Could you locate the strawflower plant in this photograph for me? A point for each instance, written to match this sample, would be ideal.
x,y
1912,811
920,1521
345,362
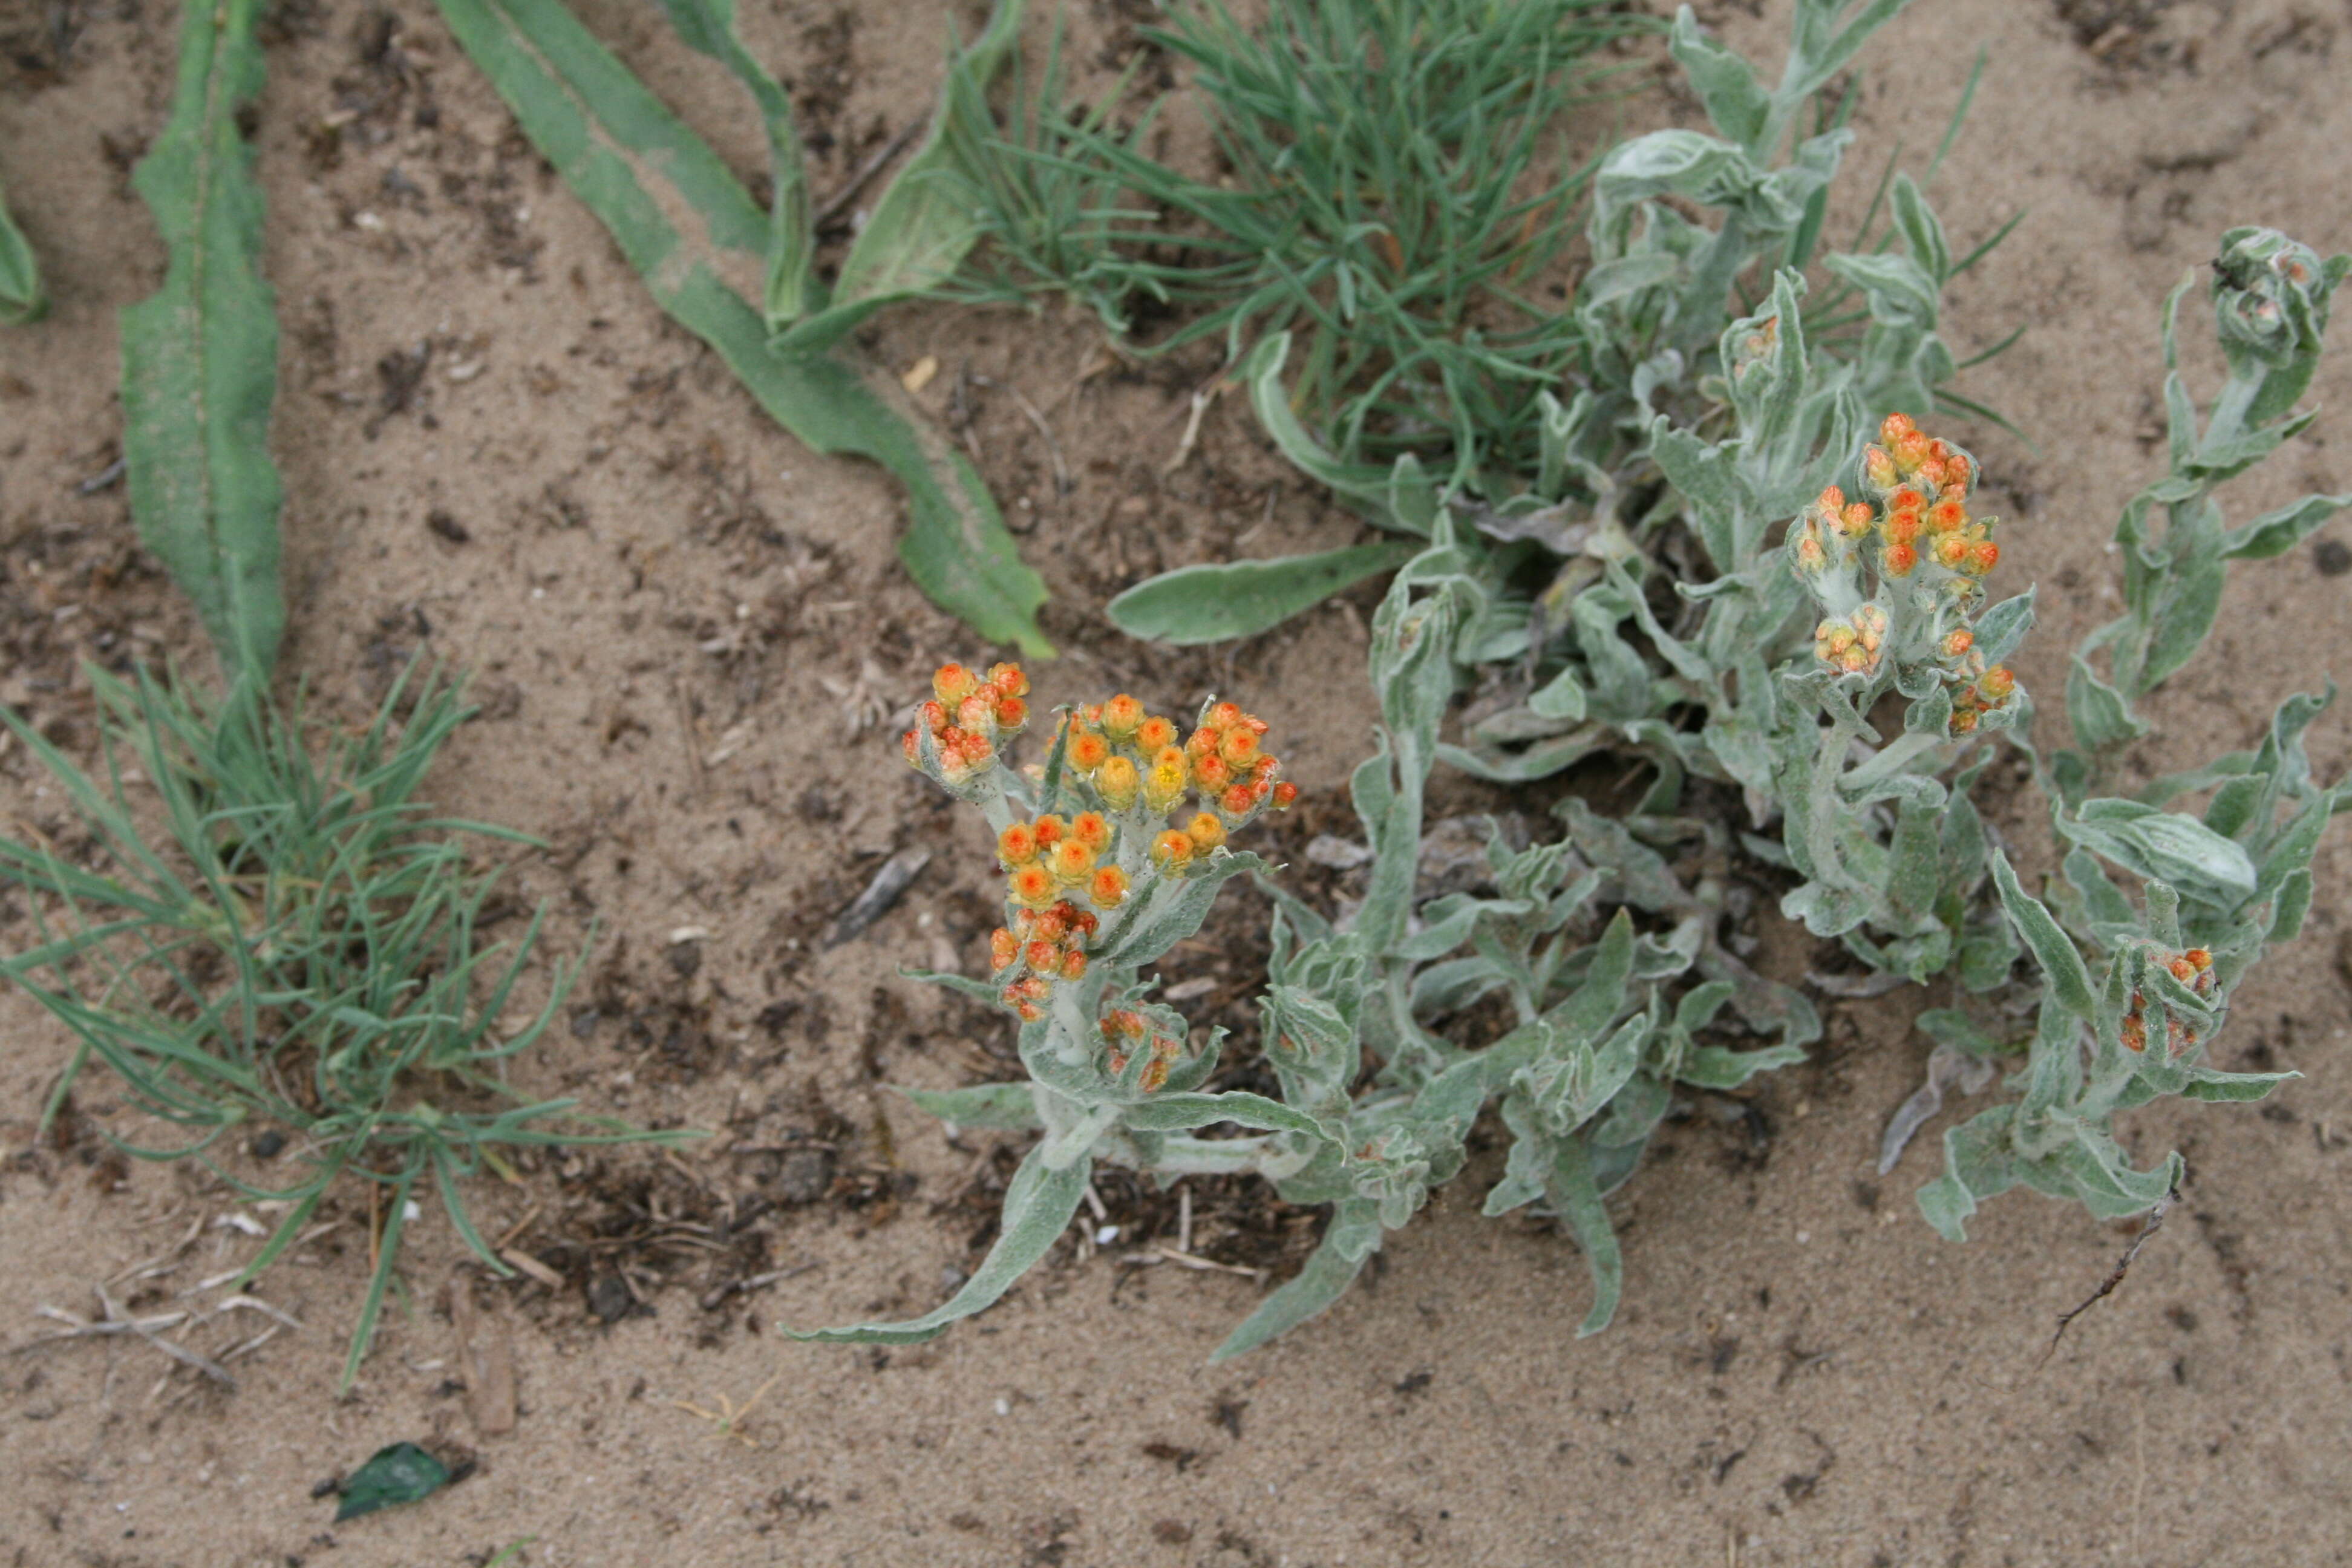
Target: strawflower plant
x,y
1866,606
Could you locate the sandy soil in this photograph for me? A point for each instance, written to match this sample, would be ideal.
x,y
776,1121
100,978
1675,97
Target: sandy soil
x,y
496,452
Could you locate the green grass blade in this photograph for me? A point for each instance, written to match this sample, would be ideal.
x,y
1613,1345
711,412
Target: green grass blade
x,y
200,355
395,1216
615,145
22,298
1242,598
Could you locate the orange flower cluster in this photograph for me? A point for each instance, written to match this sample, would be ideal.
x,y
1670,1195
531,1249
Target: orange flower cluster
x,y
1125,1033
1129,755
2193,969
1973,699
1922,487
1852,643
1050,943
1048,857
968,716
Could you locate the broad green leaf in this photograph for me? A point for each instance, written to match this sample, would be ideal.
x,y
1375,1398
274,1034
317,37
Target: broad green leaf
x,y
1010,1107
200,355
1726,83
625,156
1352,1236
22,298
1183,1112
2099,714
403,1473
2276,532
708,26
1577,1195
1712,1066
2179,849
1979,1163
2210,1084
2053,949
1038,1207
927,221
1242,598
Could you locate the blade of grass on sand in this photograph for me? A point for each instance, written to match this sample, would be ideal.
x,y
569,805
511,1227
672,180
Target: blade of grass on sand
x,y
708,26
630,160
928,220
200,355
21,296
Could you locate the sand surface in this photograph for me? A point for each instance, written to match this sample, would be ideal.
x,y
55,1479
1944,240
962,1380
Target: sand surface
x,y
496,452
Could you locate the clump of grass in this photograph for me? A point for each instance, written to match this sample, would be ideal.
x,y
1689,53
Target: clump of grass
x,y
1395,186
255,939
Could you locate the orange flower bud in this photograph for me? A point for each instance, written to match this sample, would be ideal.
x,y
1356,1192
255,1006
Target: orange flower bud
x,y
1225,715
1122,1022
1043,956
1011,713
2199,959
1983,556
1121,716
1902,527
2182,970
1087,751
912,745
1285,795
1879,468
1083,921
1894,428
1052,924
1963,722
952,683
1166,784
977,712
1002,949
1240,747
1050,830
1154,734
1211,772
1831,502
2134,1030
1155,1076
1017,845
1810,557
1072,861
1074,966
1241,800
934,716
1089,828
1947,517
1951,551
1900,561
1204,742
1905,499
1108,888
1205,832
1172,849
1118,782
1996,684
1030,885
1008,680
1958,643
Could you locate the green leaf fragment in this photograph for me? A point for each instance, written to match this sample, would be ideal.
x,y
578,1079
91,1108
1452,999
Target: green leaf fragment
x,y
200,355
403,1473
22,298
